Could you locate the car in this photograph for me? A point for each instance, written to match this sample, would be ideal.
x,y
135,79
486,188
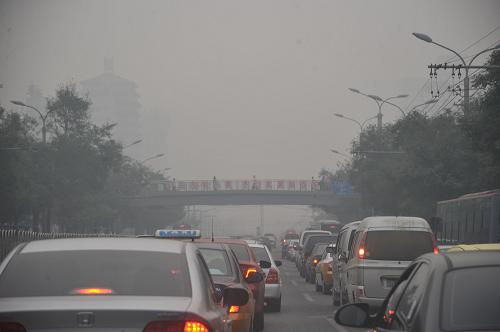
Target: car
x,y
455,291
289,235
118,284
225,271
323,275
339,262
307,250
313,259
272,239
383,247
292,249
248,265
273,281
303,237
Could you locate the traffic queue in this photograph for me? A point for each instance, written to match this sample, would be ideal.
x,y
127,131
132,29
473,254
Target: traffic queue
x,y
387,273
119,283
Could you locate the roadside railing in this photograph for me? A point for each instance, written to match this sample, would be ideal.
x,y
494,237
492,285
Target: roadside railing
x,y
9,238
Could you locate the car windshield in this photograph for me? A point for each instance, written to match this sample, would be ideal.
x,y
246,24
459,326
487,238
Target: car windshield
x,y
397,245
319,249
471,299
63,273
217,262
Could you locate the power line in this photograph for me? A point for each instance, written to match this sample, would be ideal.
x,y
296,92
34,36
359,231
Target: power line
x,y
454,58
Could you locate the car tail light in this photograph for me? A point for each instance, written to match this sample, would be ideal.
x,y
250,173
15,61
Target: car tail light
x,y
361,250
176,326
234,309
92,291
272,276
247,270
11,327
434,245
315,261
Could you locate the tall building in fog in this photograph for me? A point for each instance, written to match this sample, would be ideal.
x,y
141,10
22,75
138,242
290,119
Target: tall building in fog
x,y
115,100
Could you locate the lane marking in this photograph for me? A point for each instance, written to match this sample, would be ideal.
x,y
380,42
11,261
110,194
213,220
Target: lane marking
x,y
294,283
308,297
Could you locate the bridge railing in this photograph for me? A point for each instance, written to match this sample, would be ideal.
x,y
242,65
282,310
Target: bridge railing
x,y
227,185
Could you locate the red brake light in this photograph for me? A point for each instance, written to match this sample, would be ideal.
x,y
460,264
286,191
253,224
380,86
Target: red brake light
x,y
361,253
11,327
193,326
361,250
272,276
92,291
234,309
249,271
436,250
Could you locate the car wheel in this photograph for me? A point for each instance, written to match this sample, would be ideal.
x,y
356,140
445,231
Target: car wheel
x,y
318,286
274,305
258,321
336,297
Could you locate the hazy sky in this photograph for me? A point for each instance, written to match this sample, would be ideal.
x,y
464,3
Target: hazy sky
x,y
250,87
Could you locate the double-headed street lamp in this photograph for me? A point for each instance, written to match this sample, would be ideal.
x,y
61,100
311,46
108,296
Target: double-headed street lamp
x,y
381,102
42,116
360,124
159,155
428,39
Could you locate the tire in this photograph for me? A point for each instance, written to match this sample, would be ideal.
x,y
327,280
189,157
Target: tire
x,y
318,286
258,321
336,297
274,305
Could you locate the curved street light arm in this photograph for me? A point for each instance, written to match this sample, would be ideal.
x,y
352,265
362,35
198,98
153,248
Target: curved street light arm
x,y
454,52
364,122
487,50
399,108
355,121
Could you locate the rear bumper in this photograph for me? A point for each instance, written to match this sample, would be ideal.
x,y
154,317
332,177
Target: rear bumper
x,y
241,321
273,291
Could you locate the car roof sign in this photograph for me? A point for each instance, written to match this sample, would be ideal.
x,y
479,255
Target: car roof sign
x,y
178,233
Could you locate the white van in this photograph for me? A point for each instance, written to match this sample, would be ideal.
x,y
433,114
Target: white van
x,y
382,249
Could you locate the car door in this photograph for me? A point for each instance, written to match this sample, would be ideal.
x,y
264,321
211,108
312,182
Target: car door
x,y
336,264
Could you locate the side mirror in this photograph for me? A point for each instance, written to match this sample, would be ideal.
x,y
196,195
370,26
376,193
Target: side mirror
x,y
353,315
254,277
235,296
278,263
265,264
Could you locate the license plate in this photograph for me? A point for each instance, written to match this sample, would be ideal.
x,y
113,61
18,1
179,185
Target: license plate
x,y
388,283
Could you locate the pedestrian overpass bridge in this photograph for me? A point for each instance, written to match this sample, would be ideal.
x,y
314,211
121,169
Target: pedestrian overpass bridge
x,y
164,193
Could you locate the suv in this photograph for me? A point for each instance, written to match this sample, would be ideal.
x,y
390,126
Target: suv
x,y
339,263
382,249
303,237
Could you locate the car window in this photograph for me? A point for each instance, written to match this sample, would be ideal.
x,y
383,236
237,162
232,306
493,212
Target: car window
x,y
217,262
319,249
397,245
240,251
61,273
471,299
261,254
413,294
352,247
351,241
207,281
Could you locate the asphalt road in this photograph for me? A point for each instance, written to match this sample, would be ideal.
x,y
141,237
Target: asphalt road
x,y
302,309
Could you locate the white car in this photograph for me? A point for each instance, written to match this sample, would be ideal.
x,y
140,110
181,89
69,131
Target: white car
x,y
272,295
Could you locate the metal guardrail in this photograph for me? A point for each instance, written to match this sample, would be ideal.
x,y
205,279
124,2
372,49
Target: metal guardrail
x,y
9,238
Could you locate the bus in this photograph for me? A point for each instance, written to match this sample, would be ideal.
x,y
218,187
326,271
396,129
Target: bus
x,y
468,219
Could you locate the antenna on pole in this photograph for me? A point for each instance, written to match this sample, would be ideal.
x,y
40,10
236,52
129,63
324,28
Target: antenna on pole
x,y
213,229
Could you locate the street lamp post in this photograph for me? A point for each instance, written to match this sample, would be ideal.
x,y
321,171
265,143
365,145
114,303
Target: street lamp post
x,y
42,116
380,102
153,157
428,39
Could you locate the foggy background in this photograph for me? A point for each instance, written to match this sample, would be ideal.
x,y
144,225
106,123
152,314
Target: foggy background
x,y
236,89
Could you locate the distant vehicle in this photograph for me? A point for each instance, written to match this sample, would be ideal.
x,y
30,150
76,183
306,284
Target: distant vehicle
x,y
225,271
111,284
272,240
273,281
292,249
290,235
471,218
382,249
339,262
332,226
323,280
307,251
446,292
313,259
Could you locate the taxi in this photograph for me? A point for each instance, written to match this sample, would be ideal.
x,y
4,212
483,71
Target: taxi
x,y
132,284
324,276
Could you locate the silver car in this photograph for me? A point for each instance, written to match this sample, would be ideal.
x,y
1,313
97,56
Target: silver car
x,y
125,284
382,249
272,295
